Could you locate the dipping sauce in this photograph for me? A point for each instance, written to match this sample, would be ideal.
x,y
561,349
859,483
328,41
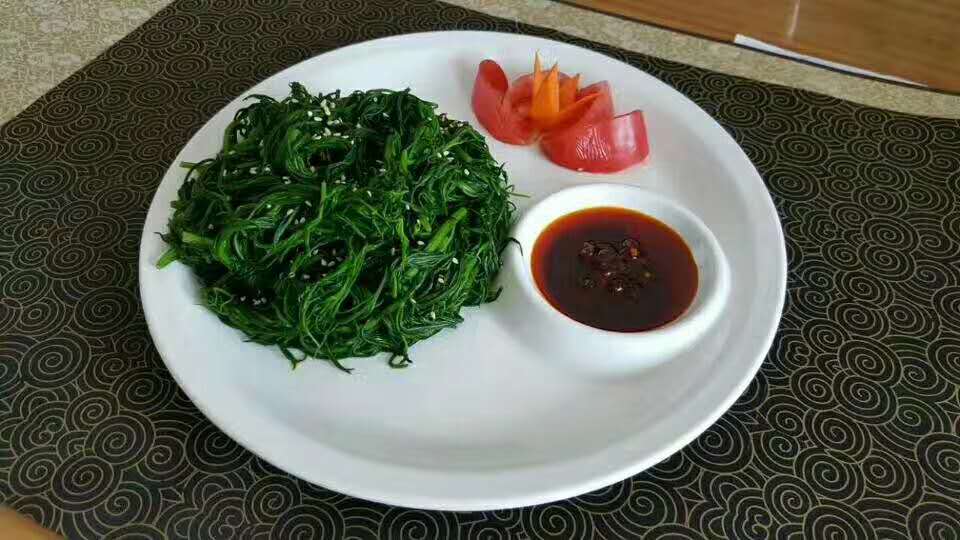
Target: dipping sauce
x,y
615,269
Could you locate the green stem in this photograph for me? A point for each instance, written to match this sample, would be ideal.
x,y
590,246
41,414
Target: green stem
x,y
195,239
442,238
167,258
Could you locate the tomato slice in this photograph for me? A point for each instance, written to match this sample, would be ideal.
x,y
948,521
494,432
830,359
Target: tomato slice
x,y
590,104
603,146
520,93
569,89
593,104
494,111
577,125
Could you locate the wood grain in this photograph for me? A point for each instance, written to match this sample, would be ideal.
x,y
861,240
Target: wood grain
x,y
14,526
917,40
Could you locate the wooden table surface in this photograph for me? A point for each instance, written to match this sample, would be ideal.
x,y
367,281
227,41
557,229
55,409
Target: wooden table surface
x,y
917,40
15,526
41,46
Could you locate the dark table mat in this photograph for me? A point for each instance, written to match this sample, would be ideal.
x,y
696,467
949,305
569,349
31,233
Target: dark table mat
x,y
850,429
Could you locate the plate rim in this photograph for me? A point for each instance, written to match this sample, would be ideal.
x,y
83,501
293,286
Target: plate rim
x,y
564,489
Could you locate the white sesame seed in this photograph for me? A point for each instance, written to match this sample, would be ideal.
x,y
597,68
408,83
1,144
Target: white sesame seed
x,y
440,280
323,262
284,177
413,300
407,205
269,206
439,154
382,170
393,250
456,260
306,276
385,115
253,170
308,203
290,274
369,194
466,172
313,168
419,242
314,252
266,169
343,177
210,226
286,182
310,114
326,131
290,211
446,152
243,298
433,315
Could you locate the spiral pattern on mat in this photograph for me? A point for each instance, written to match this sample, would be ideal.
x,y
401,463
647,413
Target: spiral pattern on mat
x,y
318,520
555,521
836,520
937,519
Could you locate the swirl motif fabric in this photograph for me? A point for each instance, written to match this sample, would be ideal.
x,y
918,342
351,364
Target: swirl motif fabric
x,y
851,429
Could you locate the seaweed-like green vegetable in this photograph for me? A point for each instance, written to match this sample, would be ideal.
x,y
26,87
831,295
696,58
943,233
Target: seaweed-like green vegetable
x,y
343,226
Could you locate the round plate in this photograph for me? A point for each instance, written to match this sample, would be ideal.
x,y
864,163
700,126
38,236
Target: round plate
x,y
486,418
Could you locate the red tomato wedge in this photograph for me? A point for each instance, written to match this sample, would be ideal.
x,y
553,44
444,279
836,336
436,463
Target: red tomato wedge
x,y
576,126
604,146
569,89
593,104
520,93
495,111
509,115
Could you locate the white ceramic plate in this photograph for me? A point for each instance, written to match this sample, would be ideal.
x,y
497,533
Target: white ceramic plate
x,y
486,419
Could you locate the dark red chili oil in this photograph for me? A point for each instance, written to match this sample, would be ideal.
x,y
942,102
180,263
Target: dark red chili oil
x,y
614,269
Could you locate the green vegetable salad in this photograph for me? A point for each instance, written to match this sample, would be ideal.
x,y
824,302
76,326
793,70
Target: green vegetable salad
x,y
343,226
